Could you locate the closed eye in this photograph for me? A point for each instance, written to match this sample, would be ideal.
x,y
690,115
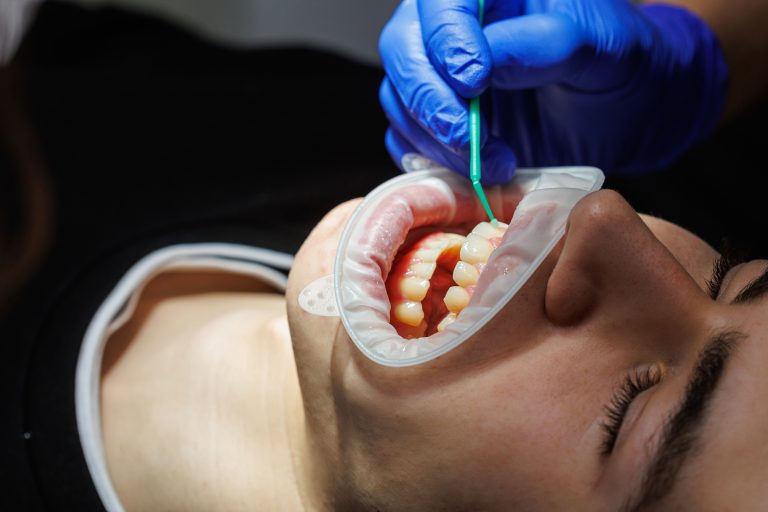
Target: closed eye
x,y
634,383
726,261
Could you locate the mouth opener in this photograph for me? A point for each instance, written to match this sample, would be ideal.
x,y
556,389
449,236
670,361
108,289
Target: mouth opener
x,y
543,199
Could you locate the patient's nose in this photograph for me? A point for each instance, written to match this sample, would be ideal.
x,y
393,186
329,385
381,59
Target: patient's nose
x,y
613,269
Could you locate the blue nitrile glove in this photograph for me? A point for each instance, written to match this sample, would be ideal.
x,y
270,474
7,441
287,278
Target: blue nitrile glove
x,y
597,82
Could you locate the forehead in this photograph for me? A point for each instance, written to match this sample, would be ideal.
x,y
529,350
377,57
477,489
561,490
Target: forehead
x,y
730,466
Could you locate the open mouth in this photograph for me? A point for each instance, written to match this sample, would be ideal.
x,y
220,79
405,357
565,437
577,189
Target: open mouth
x,y
418,272
417,257
433,279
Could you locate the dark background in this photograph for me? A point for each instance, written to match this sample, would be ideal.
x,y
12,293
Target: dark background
x,y
135,127
116,128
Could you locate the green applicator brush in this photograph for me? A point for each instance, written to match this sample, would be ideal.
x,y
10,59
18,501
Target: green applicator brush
x,y
474,141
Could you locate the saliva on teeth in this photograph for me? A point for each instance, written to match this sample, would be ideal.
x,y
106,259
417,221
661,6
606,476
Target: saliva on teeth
x,y
431,283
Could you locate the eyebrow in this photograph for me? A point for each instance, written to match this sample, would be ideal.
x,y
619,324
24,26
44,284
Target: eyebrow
x,y
756,289
682,430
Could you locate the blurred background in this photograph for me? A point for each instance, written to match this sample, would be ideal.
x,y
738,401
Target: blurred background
x,y
128,123
347,27
120,118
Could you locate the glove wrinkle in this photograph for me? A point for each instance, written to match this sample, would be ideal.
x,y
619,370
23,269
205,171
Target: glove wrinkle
x,y
455,45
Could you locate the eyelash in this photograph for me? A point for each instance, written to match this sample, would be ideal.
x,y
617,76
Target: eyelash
x,y
726,261
634,383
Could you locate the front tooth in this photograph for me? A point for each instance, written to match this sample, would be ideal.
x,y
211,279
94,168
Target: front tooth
x,y
488,230
465,274
423,270
409,313
414,288
476,249
443,241
449,318
427,255
456,299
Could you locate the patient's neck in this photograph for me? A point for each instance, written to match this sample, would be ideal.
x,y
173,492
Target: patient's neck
x,y
201,407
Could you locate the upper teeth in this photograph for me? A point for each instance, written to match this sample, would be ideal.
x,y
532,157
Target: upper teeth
x,y
445,322
424,270
456,299
411,284
465,274
409,312
476,249
414,284
489,231
414,288
428,255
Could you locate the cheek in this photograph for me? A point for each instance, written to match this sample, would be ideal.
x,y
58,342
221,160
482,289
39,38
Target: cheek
x,y
503,429
313,336
316,257
527,428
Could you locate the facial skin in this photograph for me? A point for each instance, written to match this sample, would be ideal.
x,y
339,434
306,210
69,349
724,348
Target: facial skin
x,y
513,418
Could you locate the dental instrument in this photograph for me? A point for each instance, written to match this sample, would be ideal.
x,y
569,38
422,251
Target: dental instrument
x,y
475,171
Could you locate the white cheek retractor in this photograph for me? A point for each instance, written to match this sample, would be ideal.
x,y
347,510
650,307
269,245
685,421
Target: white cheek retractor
x,y
536,204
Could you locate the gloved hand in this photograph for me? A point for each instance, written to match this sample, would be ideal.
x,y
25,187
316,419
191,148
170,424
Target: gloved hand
x,y
603,83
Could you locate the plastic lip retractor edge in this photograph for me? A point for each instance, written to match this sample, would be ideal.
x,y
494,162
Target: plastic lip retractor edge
x,y
536,204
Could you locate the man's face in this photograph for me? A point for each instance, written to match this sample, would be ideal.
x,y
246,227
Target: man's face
x,y
611,380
